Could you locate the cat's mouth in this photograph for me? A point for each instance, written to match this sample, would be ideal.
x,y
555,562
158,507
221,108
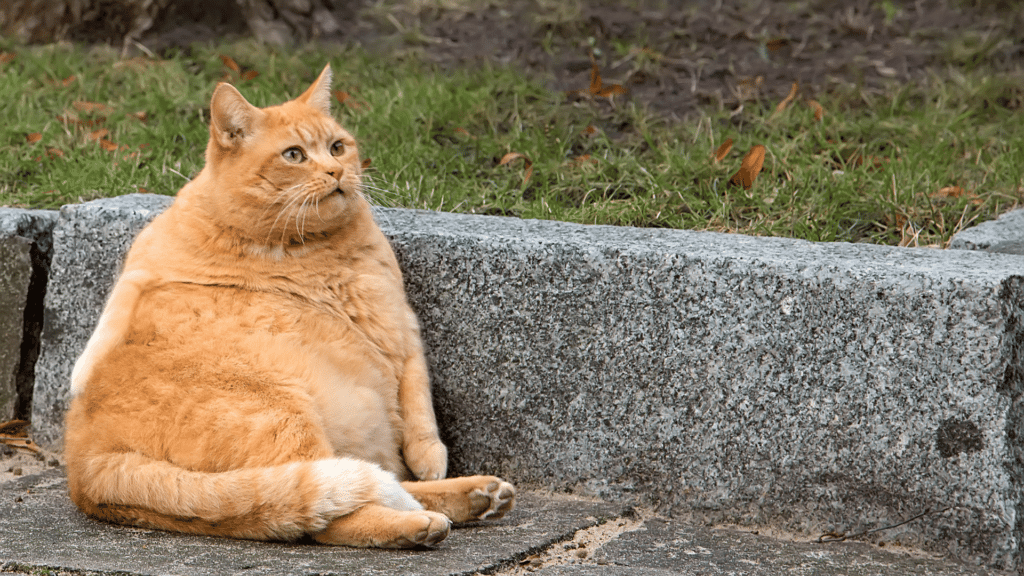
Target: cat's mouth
x,y
337,190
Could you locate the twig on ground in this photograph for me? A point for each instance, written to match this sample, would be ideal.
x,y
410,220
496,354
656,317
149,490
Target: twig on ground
x,y
832,537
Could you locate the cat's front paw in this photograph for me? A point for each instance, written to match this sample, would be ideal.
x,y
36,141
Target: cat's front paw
x,y
427,459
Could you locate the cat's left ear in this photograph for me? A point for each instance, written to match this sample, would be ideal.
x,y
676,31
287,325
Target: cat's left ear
x,y
319,94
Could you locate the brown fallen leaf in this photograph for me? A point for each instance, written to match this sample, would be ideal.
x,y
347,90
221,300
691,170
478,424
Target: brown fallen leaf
x,y
598,87
515,156
54,153
69,119
141,115
723,150
787,100
595,79
6,57
749,168
366,163
230,63
97,134
950,192
33,137
590,130
92,107
15,428
108,145
610,91
19,442
819,111
249,74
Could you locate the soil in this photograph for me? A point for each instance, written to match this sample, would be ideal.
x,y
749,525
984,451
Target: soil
x,y
677,57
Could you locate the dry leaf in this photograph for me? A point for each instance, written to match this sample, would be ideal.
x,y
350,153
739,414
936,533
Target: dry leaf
x,y
34,137
18,442
6,57
366,163
15,428
341,96
143,190
141,115
776,44
250,74
954,192
464,132
54,153
787,100
515,156
92,107
108,145
749,168
97,134
723,150
68,119
597,86
595,79
589,130
230,63
819,111
610,91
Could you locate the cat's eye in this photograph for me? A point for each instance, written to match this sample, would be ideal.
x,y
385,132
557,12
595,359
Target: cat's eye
x,y
293,155
338,148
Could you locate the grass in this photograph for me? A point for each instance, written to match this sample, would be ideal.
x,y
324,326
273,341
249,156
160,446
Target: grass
x,y
911,167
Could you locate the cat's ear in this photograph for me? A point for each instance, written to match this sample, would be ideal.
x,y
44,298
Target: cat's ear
x,y
232,118
319,94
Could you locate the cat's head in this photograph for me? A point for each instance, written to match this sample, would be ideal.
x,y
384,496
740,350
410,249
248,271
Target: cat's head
x,y
281,175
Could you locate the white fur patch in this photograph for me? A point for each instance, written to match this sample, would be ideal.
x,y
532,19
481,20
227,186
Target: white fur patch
x,y
391,493
345,485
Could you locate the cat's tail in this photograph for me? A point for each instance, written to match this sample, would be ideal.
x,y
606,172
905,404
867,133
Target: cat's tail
x,y
273,503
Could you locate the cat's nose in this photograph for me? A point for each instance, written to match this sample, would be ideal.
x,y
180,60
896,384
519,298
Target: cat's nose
x,y
335,172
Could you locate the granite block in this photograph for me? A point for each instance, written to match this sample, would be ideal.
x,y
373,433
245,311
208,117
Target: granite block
x,y
15,273
734,379
22,349
1004,234
758,381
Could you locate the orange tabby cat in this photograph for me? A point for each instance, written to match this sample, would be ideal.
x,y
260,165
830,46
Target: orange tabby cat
x,y
257,371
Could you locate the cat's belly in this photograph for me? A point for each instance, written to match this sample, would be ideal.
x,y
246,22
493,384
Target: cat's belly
x,y
215,334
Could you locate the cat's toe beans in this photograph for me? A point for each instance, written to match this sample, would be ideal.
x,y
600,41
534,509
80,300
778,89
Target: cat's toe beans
x,y
428,529
494,500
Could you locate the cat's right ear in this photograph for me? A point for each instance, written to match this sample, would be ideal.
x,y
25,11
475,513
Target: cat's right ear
x,y
232,118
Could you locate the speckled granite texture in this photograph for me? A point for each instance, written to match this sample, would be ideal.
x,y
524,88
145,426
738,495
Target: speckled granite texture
x,y
1004,234
754,380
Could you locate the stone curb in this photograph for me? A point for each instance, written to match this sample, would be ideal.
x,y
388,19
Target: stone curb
x,y
816,387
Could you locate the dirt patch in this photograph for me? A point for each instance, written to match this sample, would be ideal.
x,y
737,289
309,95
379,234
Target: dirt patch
x,y
677,57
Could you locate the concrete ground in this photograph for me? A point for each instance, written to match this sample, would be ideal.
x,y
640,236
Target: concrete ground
x,y
41,532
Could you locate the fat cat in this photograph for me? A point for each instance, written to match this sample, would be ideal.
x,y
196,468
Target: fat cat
x,y
257,371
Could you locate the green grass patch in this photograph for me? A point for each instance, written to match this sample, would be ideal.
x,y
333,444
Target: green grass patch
x,y
911,167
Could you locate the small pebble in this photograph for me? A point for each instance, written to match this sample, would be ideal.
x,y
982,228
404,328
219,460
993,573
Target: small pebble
x,y
581,553
16,471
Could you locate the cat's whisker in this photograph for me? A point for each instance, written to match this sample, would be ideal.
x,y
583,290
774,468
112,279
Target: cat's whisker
x,y
284,210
